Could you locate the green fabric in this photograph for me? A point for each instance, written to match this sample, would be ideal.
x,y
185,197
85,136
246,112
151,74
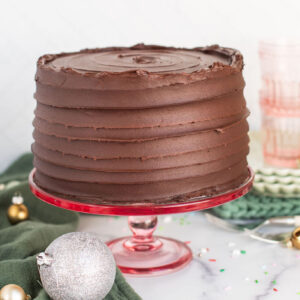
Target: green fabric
x,y
20,243
258,206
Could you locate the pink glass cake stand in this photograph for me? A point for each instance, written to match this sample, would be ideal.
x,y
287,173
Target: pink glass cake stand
x,y
144,254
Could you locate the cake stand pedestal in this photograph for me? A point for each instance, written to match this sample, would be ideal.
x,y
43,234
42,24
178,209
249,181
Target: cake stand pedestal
x,y
144,254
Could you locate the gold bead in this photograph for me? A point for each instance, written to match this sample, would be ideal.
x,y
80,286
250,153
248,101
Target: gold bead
x,y
295,238
13,292
17,212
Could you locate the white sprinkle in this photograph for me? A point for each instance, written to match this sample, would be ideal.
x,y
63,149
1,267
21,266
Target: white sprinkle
x,y
236,252
167,219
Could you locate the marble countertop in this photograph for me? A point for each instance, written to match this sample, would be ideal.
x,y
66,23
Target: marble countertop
x,y
263,272
244,269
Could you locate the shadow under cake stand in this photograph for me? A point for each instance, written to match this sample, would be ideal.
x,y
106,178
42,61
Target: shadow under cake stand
x,y
144,254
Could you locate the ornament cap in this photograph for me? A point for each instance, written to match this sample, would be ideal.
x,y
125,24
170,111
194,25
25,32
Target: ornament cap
x,y
17,199
44,259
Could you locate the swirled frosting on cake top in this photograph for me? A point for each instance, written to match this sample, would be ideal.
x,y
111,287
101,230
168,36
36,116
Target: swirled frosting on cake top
x,y
145,123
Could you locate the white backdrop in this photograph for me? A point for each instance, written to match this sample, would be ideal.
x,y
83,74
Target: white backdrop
x,y
31,28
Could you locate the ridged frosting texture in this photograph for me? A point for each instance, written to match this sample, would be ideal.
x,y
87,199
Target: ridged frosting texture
x,y
140,124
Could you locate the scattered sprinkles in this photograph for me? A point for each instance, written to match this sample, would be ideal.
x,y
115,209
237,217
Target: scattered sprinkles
x,y
266,273
274,281
212,260
256,281
243,251
222,270
275,290
187,242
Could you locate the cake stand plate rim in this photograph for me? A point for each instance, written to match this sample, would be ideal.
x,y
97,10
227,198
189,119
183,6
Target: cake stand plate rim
x,y
194,204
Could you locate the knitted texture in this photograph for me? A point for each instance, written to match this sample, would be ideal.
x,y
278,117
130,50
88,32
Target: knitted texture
x,y
257,206
276,192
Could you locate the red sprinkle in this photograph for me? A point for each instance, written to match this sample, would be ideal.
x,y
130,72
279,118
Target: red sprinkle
x,y
275,290
187,242
212,260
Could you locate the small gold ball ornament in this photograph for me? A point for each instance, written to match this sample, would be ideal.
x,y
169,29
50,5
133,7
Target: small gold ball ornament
x,y
13,292
17,212
295,238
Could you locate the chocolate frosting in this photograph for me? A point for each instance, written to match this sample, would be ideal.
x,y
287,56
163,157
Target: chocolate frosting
x,y
145,123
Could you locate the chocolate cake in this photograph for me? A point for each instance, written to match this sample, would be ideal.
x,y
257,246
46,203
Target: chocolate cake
x,y
140,124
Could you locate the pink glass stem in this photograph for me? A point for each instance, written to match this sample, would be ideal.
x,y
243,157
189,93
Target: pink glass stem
x,y
142,228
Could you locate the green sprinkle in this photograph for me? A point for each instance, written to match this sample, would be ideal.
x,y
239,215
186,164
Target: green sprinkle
x,y
274,281
160,228
243,251
298,293
222,270
256,281
266,273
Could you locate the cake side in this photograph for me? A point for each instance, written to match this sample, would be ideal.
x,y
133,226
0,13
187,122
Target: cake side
x,y
145,123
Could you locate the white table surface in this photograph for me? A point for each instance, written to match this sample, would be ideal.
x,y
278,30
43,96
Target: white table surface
x,y
264,272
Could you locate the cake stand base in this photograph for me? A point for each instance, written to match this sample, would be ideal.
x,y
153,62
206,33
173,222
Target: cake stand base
x,y
144,254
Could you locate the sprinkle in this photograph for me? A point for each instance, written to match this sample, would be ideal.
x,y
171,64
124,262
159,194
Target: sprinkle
x,y
243,251
231,244
222,270
263,267
212,260
187,242
266,273
275,290
161,228
274,281
298,293
167,219
236,252
256,281
228,288
204,250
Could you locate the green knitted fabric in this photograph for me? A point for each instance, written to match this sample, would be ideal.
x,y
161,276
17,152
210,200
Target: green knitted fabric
x,y
20,243
257,206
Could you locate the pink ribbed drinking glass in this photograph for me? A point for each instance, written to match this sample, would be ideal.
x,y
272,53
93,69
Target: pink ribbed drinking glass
x,y
280,102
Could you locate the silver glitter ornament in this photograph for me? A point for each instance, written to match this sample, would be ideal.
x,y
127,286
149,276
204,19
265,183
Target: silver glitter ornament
x,y
77,266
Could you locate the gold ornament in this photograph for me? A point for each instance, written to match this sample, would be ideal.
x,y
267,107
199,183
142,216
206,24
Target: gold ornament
x,y
17,212
295,238
13,292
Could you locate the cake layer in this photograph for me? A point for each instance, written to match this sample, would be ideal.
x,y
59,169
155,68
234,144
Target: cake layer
x,y
136,164
145,149
214,109
137,177
146,192
174,94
